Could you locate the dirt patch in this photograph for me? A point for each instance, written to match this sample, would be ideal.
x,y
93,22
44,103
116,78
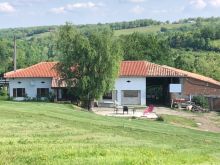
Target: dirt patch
x,y
208,122
205,121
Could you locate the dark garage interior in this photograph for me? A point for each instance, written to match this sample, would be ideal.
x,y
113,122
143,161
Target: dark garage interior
x,y
157,89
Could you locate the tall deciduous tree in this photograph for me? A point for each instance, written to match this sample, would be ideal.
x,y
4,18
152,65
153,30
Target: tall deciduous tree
x,y
89,61
4,55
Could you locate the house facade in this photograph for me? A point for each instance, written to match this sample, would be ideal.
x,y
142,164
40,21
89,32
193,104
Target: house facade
x,y
37,81
139,83
144,83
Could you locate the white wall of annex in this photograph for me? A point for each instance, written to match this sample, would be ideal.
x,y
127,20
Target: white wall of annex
x,y
30,85
131,83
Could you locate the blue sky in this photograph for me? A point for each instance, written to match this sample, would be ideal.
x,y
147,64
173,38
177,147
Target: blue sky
x,y
23,13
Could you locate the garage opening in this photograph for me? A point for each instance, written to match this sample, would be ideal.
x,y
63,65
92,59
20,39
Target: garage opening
x,y
157,89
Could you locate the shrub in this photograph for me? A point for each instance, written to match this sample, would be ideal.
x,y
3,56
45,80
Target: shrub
x,y
201,101
160,118
163,29
51,97
3,91
27,98
10,98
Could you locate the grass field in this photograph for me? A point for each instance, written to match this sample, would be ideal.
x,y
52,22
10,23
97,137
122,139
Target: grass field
x,y
147,29
182,121
47,133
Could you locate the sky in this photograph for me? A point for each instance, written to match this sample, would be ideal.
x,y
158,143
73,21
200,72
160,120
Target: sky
x,y
25,13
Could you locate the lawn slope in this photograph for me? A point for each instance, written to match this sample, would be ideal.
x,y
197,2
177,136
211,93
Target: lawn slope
x,y
148,29
46,133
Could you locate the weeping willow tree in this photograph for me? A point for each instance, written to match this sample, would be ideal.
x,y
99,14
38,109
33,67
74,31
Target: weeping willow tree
x,y
89,60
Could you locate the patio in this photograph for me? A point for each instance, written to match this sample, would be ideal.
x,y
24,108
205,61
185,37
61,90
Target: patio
x,y
132,112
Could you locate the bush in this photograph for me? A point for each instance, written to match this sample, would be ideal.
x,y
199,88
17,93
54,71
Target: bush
x,y
51,97
160,118
10,98
3,91
201,101
163,29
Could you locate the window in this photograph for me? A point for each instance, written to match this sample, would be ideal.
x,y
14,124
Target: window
x,y
130,93
18,92
107,95
42,92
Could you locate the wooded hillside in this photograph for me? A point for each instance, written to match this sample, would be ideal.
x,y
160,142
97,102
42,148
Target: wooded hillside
x,y
191,44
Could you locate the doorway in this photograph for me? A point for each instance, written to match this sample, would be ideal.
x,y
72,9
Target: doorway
x,y
157,89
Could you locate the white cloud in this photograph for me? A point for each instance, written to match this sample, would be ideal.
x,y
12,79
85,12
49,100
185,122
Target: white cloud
x,y
29,2
73,6
86,5
160,11
214,3
198,4
58,10
201,4
137,10
136,1
5,7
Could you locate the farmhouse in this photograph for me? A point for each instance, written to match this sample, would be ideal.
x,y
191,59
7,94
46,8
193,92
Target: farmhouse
x,y
139,83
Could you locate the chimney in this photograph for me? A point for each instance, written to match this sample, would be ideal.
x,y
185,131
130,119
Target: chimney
x,y
14,58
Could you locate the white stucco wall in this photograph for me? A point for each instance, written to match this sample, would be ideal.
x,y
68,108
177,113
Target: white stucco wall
x,y
30,85
136,83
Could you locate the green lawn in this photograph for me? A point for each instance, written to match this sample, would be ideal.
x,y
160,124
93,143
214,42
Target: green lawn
x,y
181,121
47,133
147,29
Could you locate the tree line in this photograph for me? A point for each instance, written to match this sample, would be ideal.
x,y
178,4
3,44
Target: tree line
x,y
189,47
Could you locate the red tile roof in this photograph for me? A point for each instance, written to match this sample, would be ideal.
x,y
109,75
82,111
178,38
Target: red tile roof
x,y
195,76
127,69
146,69
43,69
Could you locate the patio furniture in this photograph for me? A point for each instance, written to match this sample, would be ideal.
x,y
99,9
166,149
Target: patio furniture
x,y
117,106
125,109
149,109
148,112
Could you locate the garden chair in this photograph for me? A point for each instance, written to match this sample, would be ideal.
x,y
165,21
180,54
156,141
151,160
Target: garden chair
x,y
149,109
125,109
117,106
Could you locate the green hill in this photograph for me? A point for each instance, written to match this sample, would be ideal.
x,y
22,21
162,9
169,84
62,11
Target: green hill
x,y
48,133
148,29
190,44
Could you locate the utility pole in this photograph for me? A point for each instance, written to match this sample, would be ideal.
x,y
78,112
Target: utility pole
x,y
15,54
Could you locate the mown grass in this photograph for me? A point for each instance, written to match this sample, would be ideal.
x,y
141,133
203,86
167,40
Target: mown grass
x,y
181,121
147,29
3,97
47,133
